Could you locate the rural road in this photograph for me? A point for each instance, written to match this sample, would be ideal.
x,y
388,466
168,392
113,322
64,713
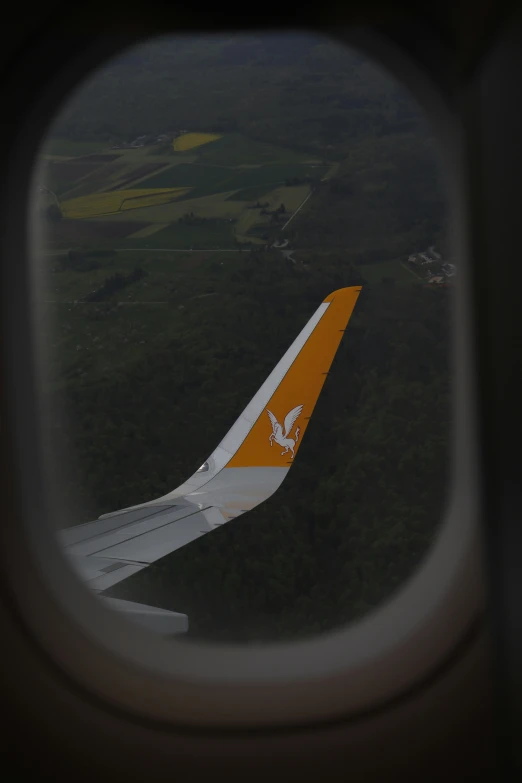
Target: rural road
x,y
301,205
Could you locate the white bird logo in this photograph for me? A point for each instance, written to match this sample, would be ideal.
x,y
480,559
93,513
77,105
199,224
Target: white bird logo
x,y
279,435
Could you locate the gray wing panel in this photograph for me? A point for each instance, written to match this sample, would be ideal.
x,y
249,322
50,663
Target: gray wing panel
x,y
146,546
108,539
74,535
109,550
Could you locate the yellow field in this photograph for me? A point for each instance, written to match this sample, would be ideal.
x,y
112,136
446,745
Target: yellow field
x,y
98,204
190,140
206,206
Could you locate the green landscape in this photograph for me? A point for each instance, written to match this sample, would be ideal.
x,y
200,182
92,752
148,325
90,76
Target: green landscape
x,y
175,279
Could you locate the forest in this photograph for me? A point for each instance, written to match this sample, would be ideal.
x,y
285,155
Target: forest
x,y
367,493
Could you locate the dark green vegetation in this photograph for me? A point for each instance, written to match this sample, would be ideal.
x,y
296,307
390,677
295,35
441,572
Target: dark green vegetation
x,y
69,147
153,388
152,377
235,150
70,233
386,198
114,284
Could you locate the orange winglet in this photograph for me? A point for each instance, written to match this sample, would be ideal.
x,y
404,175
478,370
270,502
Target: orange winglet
x,y
277,434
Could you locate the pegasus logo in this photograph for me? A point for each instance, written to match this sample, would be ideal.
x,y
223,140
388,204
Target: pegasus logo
x,y
280,435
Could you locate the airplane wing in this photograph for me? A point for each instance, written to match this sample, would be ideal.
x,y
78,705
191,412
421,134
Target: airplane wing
x,y
241,473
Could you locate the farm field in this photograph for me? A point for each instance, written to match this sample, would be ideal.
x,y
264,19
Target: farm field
x,y
215,206
140,173
213,179
118,201
61,174
152,228
66,185
248,194
201,191
191,140
97,172
236,151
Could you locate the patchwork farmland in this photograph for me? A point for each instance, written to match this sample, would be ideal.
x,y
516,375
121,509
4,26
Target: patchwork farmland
x,y
201,190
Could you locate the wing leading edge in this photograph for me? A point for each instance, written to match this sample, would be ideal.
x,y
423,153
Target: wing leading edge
x,y
246,468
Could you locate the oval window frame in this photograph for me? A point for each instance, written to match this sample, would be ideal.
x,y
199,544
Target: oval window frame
x,y
343,673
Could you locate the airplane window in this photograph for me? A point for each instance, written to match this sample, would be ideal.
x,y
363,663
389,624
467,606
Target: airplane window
x,y
245,255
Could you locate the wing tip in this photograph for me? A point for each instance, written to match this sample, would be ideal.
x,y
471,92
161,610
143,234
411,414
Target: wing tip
x,y
352,290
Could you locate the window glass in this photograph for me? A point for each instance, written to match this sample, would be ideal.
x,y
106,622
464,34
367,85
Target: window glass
x,y
197,199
